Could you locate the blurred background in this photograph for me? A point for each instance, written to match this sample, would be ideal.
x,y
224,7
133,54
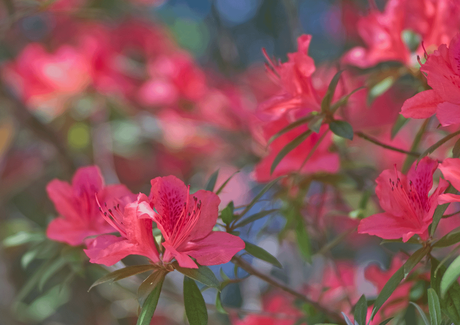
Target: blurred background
x,y
142,89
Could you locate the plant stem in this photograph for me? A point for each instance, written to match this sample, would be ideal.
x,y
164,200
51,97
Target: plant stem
x,y
375,141
251,270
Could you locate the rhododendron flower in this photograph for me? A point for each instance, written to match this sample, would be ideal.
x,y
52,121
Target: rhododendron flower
x,y
435,21
443,75
77,206
408,208
298,99
186,222
450,168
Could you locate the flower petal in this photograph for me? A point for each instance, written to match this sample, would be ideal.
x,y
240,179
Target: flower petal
x,y
109,249
448,113
71,232
61,193
209,213
422,105
182,258
448,198
217,248
421,176
450,168
87,179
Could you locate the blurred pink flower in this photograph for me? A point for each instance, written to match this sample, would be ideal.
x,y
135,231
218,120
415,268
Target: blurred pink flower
x,y
443,75
186,222
77,206
436,21
408,208
450,168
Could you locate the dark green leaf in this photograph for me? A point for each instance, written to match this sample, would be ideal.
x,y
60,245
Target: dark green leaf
x,y
438,144
227,215
451,238
439,212
421,312
149,306
299,122
202,274
262,254
149,284
254,217
326,102
123,273
212,181
400,122
386,321
288,148
397,277
450,303
219,306
456,149
258,196
342,129
434,307
360,312
195,307
226,182
303,239
450,276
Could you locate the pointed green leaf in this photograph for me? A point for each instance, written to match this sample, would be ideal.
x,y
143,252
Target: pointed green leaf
x,y
57,265
212,181
386,321
21,238
434,307
347,320
227,215
379,89
451,238
299,122
202,274
450,276
450,303
288,148
360,312
122,273
262,254
342,129
149,284
219,306
149,306
254,217
226,182
195,307
421,312
400,122
303,239
397,277
326,102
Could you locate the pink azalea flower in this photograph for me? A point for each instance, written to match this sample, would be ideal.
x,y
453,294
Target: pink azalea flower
x,y
433,20
450,168
186,222
443,75
408,208
77,206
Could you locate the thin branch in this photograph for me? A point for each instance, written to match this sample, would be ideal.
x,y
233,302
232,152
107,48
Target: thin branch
x,y
375,141
251,270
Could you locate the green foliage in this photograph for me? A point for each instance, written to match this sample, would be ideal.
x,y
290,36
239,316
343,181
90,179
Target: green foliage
x,y
326,102
123,273
195,307
450,302
399,124
421,312
342,129
434,307
254,217
149,306
262,254
449,239
227,215
450,276
202,274
212,181
289,147
360,312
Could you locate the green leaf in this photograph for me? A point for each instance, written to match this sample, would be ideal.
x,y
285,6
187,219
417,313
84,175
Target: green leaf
x,y
262,254
342,129
195,307
149,284
326,102
57,265
400,122
360,312
450,303
451,238
122,273
397,277
227,215
421,312
254,217
288,148
299,122
226,182
439,212
303,239
149,306
450,276
456,149
21,238
202,274
212,181
438,144
434,307
219,306
379,89
258,196
412,40
386,321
